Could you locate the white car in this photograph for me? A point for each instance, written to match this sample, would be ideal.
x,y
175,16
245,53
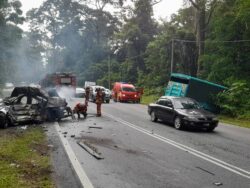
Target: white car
x,y
92,96
107,91
80,92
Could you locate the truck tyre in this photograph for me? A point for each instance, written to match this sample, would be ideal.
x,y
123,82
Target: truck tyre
x,y
177,123
153,117
3,121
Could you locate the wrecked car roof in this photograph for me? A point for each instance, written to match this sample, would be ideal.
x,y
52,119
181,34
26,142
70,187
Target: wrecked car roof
x,y
31,91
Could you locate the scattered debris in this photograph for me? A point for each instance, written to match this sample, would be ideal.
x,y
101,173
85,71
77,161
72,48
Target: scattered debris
x,y
113,135
50,146
64,136
204,170
218,183
90,149
72,136
94,127
24,127
89,132
65,132
14,165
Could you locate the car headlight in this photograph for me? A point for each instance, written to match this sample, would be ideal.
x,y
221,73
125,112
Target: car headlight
x,y
215,119
135,95
123,95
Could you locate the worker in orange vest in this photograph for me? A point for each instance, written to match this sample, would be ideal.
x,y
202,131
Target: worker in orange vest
x,y
98,101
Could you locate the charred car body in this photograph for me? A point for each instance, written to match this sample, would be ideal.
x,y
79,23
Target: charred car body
x,y
30,104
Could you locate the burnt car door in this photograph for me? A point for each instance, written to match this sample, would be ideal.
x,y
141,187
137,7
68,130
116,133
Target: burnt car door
x,y
24,109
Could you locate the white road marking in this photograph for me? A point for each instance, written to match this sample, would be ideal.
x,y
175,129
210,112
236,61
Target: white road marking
x,y
75,163
218,162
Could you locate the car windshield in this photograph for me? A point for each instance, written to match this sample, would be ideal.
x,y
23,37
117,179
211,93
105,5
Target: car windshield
x,y
129,89
185,104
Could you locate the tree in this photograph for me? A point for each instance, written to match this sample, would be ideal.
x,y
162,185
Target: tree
x,y
132,40
203,13
10,34
78,33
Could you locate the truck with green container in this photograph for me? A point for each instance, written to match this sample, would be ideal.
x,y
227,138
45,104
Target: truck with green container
x,y
203,91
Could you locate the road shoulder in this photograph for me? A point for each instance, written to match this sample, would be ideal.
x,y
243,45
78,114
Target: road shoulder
x,y
63,173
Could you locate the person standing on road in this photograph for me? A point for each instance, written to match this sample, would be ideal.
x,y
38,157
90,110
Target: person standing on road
x,y
98,101
87,91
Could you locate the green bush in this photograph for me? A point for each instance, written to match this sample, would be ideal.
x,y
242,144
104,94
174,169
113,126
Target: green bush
x,y
235,101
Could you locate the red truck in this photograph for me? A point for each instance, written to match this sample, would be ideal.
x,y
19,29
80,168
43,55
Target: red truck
x,y
124,92
62,81
58,80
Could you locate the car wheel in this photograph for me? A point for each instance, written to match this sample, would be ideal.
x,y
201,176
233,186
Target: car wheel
x,y
210,128
153,117
177,123
3,121
107,101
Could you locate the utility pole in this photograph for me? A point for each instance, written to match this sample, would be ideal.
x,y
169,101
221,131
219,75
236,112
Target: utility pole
x,y
172,57
109,72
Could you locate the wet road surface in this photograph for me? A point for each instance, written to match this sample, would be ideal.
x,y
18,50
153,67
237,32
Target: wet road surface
x,y
143,154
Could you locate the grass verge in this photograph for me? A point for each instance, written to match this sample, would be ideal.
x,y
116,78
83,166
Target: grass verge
x,y
234,121
24,158
146,99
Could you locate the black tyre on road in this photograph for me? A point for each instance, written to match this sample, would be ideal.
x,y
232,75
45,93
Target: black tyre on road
x,y
153,117
177,123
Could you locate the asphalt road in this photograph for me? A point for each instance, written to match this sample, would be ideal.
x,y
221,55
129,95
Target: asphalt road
x,y
141,154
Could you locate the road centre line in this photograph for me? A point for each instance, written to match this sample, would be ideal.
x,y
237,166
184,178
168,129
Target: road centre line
x,y
72,157
218,162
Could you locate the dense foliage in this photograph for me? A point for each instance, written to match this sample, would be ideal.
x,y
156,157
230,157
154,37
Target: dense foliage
x,y
206,38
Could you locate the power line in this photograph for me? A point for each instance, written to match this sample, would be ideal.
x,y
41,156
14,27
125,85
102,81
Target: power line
x,y
222,41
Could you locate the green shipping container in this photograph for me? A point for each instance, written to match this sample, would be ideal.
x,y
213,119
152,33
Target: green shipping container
x,y
201,90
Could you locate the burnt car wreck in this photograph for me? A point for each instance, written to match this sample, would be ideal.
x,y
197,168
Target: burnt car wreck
x,y
32,105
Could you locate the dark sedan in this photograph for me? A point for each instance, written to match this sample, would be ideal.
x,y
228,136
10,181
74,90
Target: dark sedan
x,y
182,112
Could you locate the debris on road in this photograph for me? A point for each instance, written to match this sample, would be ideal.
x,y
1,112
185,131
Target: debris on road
x,y
218,183
24,127
94,127
90,149
65,132
72,136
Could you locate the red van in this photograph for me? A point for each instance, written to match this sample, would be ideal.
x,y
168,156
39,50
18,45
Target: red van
x,y
124,92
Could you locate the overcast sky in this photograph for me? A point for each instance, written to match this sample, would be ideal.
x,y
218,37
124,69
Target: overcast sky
x,y
163,9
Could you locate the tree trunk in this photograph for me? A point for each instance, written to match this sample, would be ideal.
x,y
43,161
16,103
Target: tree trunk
x,y
200,34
